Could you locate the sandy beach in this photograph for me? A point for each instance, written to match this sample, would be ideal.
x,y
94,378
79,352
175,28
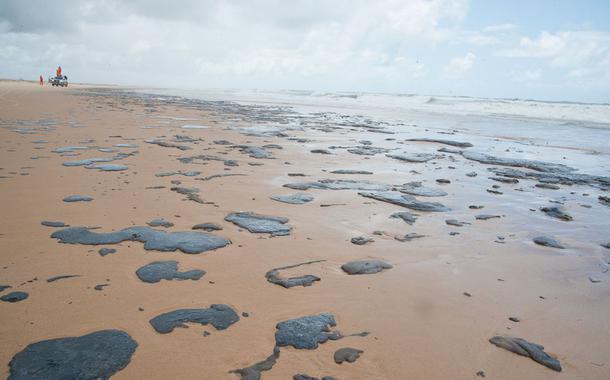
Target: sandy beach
x,y
462,258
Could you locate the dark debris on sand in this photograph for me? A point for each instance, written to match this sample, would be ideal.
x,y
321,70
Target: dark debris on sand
x,y
273,276
188,242
13,297
218,315
166,270
347,354
256,223
365,267
548,241
524,348
98,355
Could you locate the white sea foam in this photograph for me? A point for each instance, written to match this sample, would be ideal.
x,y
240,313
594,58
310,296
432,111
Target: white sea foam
x,y
398,105
192,126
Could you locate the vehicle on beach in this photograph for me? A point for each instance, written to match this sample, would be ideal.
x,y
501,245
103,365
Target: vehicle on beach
x,y
61,81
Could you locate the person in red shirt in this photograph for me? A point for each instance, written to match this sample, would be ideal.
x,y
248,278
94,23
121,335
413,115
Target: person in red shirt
x,y
58,71
41,81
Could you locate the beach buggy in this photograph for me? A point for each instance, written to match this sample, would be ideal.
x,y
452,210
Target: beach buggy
x,y
61,81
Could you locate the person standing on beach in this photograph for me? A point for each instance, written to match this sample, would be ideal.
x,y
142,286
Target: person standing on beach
x,y
58,73
41,81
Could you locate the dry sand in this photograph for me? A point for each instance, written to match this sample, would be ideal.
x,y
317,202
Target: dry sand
x,y
421,324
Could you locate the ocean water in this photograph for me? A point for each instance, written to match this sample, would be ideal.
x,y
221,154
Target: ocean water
x,y
393,104
554,131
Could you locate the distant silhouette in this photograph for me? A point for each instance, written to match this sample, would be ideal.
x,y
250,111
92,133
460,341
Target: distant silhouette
x,y
41,81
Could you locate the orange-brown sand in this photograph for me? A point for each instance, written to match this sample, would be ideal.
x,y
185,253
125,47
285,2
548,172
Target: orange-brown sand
x,y
421,324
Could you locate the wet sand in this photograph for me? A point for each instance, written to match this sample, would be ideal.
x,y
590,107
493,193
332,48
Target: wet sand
x,y
421,323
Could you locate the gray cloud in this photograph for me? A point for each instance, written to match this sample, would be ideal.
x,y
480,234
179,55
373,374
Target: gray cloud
x,y
58,15
386,45
35,16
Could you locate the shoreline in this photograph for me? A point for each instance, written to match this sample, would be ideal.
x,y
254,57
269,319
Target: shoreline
x,y
416,312
340,92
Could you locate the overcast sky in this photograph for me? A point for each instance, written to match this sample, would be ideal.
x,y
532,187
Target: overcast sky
x,y
542,49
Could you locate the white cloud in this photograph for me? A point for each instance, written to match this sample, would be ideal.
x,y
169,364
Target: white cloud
x,y
547,45
421,16
385,45
475,38
527,76
458,66
582,54
499,27
263,40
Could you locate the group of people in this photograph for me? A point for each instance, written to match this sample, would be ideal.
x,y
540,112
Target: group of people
x,y
57,74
